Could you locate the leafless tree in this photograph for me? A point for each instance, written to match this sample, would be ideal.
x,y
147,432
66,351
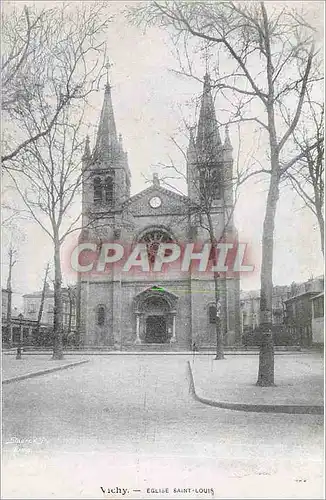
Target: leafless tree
x,y
12,254
45,167
50,58
41,308
213,188
271,61
72,297
307,175
47,177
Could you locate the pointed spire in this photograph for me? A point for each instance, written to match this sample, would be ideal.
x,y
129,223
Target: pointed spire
x,y
227,141
108,65
191,151
106,141
87,150
208,136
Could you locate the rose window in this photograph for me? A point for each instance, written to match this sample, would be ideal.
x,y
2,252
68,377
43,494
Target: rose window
x,y
153,239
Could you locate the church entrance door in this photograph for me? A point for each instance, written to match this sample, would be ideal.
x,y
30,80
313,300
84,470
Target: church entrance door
x,y
156,330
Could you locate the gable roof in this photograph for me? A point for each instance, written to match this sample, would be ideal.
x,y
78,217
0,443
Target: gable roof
x,y
155,189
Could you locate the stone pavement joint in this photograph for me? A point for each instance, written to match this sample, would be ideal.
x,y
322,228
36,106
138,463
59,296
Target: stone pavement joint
x,y
259,408
43,372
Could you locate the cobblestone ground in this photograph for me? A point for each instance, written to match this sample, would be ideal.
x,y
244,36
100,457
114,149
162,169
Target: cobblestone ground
x,y
130,422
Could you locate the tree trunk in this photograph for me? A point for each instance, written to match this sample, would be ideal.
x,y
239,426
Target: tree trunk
x,y
78,334
58,307
9,309
266,354
12,262
40,311
70,314
320,219
219,322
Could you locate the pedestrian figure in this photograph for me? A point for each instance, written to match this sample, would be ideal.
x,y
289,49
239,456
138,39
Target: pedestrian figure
x,y
194,349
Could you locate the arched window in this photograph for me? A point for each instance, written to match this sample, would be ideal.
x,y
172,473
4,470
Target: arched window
x,y
215,183
212,314
97,190
100,315
210,183
108,190
203,183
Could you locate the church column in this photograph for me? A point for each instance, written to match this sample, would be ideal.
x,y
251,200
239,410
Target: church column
x,y
173,338
138,341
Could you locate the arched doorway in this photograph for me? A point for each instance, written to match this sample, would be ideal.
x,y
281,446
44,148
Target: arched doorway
x,y
156,313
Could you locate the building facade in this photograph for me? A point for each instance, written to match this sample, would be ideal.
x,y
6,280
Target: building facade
x,y
297,314
172,307
4,303
32,303
250,307
317,322
15,328
299,310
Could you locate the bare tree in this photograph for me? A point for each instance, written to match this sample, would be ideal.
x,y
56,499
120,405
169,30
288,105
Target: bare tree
x,y
48,177
272,56
46,167
48,182
50,58
12,254
72,297
41,308
213,188
307,175
205,190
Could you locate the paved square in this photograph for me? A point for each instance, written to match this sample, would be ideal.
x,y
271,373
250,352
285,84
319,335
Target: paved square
x,y
130,422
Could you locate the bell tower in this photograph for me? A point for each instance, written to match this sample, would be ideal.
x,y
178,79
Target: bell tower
x,y
205,160
106,173
209,161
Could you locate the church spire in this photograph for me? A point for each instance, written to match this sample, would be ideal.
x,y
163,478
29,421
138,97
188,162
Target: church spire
x,y
106,141
191,151
208,136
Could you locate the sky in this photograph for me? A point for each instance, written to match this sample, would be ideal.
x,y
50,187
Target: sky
x,y
150,102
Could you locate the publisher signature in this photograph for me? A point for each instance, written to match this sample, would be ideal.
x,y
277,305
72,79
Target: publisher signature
x,y
25,441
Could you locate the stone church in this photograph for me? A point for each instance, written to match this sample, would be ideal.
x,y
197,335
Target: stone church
x,y
156,310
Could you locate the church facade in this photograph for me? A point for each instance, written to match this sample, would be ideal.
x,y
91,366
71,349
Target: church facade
x,y
171,308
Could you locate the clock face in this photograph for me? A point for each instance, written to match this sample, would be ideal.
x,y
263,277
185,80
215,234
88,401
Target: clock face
x,y
155,202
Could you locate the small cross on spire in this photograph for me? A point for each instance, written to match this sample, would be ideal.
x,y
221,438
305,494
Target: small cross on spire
x,y
108,65
156,180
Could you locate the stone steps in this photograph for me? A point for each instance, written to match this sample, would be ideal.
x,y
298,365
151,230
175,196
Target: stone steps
x,y
154,348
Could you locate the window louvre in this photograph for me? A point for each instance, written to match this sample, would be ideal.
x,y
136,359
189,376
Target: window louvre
x,y
97,190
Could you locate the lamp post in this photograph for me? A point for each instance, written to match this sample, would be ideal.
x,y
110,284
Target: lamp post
x,y
219,340
21,333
